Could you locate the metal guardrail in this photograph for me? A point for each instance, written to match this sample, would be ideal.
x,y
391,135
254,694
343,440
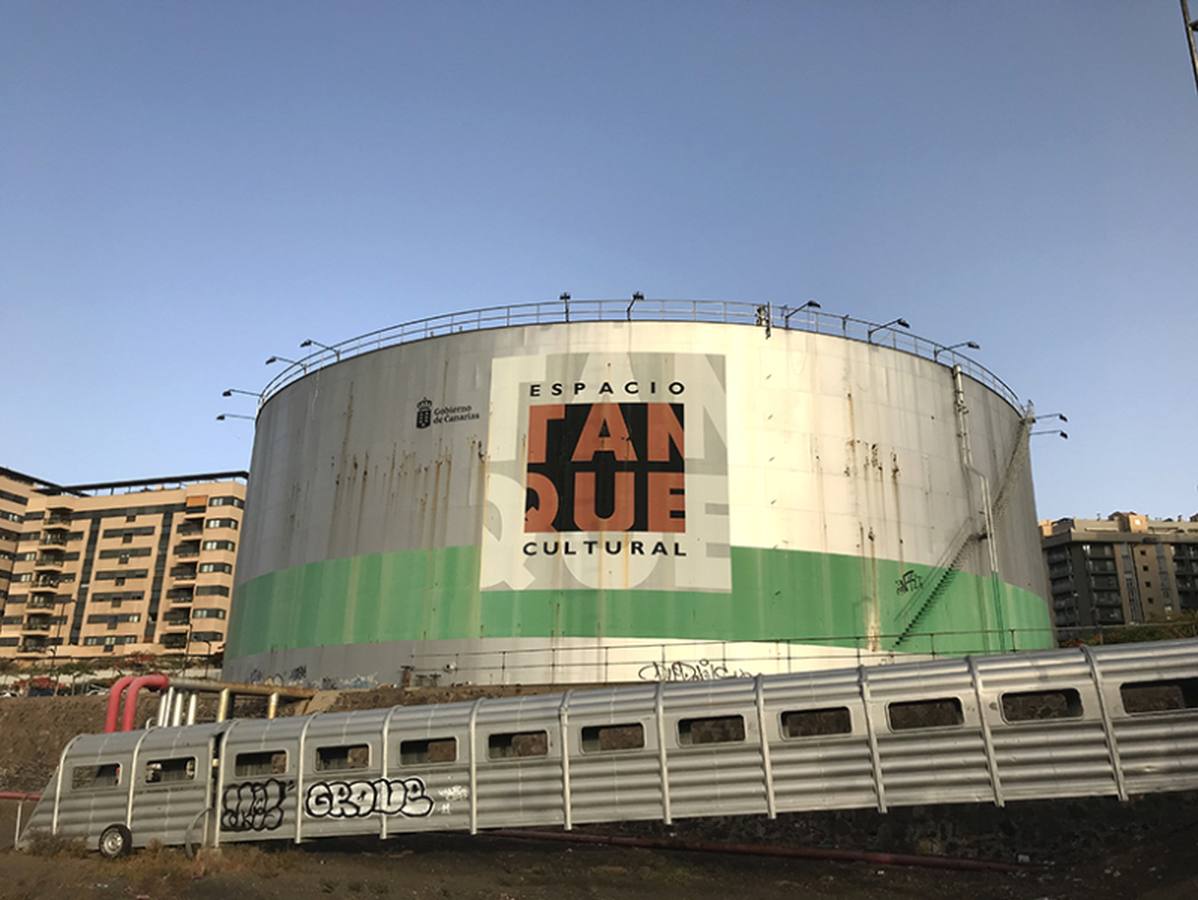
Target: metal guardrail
x,y
712,660
738,312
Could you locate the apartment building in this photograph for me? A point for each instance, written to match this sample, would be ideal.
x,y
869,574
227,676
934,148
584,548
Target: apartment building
x,y
119,568
15,490
1124,569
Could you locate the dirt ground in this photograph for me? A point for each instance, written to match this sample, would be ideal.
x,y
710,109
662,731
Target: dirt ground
x,y
488,868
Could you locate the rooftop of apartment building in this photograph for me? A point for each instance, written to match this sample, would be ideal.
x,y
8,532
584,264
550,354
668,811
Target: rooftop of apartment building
x,y
101,488
1126,527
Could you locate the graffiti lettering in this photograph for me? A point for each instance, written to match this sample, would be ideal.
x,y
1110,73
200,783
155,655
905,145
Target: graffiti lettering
x,y
909,582
253,805
702,670
353,799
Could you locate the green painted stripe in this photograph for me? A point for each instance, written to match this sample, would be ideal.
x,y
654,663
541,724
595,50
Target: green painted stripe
x,y
777,595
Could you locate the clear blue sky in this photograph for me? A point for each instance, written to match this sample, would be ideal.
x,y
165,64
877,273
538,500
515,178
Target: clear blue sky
x,y
186,188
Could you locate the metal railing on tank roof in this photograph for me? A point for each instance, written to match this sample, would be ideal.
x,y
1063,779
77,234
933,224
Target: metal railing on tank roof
x,y
552,312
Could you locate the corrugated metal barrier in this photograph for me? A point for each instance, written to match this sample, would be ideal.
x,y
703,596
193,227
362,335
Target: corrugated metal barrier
x,y
1114,720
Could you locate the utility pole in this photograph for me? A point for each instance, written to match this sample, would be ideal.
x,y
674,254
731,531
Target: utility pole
x,y
1191,37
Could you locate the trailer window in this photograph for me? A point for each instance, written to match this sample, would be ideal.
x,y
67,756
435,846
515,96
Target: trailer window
x,y
348,756
515,744
1159,696
940,713
262,762
602,738
712,730
163,771
86,777
1031,706
428,751
800,723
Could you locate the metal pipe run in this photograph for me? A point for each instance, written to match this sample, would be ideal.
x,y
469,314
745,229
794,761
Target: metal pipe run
x,y
165,698
829,853
114,702
158,681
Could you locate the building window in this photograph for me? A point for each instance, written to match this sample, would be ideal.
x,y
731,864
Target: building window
x,y
603,738
162,771
265,762
350,756
90,777
1159,696
915,714
428,750
711,730
816,722
1027,706
518,744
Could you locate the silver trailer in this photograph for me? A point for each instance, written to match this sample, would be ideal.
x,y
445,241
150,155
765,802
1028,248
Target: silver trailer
x,y
1115,720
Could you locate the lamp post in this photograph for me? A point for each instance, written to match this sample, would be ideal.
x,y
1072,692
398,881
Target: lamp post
x,y
787,312
1064,436
564,296
901,323
1061,416
207,653
224,416
294,362
972,345
1191,38
229,392
636,296
308,342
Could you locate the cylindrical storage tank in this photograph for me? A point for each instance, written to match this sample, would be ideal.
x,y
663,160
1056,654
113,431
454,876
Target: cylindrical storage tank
x,y
489,499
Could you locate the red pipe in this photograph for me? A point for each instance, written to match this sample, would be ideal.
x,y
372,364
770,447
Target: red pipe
x,y
114,702
18,795
157,680
878,858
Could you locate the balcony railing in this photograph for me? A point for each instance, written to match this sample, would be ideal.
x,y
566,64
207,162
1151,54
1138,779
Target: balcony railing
x,y
35,625
190,529
767,316
187,550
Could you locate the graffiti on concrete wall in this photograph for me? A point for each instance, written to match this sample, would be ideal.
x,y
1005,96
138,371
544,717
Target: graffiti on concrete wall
x,y
254,805
681,670
353,799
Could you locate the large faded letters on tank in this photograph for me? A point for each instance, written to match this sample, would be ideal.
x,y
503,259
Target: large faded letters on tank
x,y
607,471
